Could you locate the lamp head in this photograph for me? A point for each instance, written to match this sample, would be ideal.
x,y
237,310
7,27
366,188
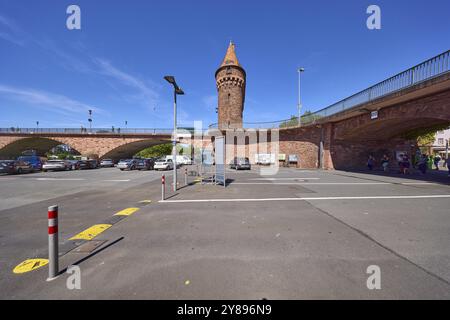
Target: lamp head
x,y
170,79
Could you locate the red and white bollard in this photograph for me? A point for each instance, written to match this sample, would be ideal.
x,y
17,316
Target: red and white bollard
x,y
163,187
53,259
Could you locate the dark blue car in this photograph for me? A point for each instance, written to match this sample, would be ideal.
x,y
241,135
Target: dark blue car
x,y
35,161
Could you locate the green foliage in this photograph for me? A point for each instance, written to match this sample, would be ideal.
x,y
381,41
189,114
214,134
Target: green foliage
x,y
156,151
307,117
292,122
426,139
424,136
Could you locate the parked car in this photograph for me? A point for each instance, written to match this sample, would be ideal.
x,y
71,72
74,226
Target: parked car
x,y
94,164
55,165
88,164
74,164
181,160
105,163
163,164
240,163
145,164
15,167
127,164
35,161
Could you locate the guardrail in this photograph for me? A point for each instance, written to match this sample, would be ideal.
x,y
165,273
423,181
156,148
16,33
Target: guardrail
x,y
424,71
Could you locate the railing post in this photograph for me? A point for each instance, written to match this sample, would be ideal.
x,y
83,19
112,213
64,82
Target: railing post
x,y
185,177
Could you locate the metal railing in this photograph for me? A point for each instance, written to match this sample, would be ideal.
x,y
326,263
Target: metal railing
x,y
86,131
424,71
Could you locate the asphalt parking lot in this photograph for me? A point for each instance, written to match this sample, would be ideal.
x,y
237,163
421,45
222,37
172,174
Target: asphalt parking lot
x,y
299,234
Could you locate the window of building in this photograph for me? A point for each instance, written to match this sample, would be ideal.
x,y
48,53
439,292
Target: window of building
x,y
441,141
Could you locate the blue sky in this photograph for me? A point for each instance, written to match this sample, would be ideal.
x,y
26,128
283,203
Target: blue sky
x,y
115,64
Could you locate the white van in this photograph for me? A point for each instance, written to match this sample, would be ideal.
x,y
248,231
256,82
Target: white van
x,y
181,159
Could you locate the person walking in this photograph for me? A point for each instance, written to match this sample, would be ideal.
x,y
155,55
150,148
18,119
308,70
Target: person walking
x,y
370,162
448,165
436,161
406,164
430,162
385,163
423,164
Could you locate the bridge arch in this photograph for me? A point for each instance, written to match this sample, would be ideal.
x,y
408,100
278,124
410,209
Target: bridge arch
x,y
14,146
128,149
393,128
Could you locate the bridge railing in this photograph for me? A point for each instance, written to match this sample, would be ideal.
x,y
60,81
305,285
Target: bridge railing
x,y
87,131
424,71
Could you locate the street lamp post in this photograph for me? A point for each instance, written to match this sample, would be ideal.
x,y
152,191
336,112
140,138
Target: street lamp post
x,y
177,91
299,106
90,120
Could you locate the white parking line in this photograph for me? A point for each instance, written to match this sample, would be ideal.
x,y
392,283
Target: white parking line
x,y
274,179
124,180
313,183
335,183
434,196
60,179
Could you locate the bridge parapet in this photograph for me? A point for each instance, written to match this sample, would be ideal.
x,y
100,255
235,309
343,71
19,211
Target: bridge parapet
x,y
424,73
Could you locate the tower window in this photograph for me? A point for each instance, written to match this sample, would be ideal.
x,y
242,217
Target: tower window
x,y
228,70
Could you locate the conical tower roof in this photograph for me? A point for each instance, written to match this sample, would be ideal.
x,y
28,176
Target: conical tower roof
x,y
230,57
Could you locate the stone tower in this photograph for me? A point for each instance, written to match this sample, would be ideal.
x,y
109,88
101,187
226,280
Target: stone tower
x,y
230,82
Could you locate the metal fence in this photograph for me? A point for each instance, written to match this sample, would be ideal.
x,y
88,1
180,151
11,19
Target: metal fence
x,y
424,71
86,131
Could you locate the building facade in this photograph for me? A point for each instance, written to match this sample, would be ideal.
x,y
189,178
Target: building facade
x,y
441,143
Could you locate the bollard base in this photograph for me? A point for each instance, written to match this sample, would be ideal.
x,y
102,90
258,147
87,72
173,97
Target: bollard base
x,y
51,279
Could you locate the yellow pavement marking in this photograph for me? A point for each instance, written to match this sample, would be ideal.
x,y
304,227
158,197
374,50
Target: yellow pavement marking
x,y
30,265
145,201
91,232
127,212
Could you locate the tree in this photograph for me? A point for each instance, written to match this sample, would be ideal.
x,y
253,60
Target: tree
x,y
159,150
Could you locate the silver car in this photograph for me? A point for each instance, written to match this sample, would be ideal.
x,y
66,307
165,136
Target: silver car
x,y
55,165
106,163
129,164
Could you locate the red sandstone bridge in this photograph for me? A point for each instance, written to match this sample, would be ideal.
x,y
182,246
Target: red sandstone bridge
x,y
381,119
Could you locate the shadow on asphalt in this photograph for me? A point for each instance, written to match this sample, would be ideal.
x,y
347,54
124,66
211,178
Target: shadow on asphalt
x,y
92,254
435,176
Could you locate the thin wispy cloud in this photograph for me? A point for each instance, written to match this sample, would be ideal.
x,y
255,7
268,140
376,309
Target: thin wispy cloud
x,y
47,100
145,92
11,32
